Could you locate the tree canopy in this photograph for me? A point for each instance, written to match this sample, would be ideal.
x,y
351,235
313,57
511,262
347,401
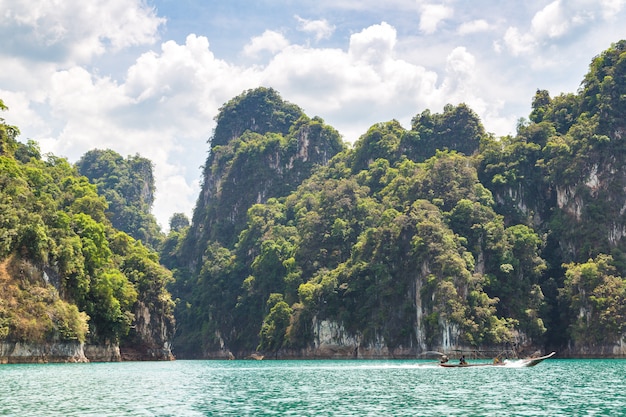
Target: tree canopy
x,y
127,184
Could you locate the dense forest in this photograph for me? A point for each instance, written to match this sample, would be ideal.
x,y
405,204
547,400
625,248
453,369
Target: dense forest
x,y
437,236
127,184
440,236
66,274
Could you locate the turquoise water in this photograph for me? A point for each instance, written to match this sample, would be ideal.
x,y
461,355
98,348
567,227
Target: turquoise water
x,y
313,388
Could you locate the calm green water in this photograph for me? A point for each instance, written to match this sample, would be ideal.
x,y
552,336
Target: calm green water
x,y
313,388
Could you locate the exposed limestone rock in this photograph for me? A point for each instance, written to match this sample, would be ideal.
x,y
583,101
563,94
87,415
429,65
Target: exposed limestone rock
x,y
331,340
331,333
154,335
222,353
593,181
17,352
616,350
450,337
419,333
568,201
616,233
103,353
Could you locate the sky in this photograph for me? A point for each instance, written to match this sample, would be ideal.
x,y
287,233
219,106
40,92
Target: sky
x,y
148,77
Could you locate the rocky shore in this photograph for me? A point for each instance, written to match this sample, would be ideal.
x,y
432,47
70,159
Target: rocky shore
x,y
18,352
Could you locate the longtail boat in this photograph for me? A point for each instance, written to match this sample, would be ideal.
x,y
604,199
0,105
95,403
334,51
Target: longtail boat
x,y
521,363
469,365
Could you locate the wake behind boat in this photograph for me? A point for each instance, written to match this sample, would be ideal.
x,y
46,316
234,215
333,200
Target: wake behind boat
x,y
534,361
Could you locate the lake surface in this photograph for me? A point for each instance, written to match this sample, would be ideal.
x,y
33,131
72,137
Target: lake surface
x,y
313,388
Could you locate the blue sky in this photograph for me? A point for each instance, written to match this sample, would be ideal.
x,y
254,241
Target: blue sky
x,y
148,76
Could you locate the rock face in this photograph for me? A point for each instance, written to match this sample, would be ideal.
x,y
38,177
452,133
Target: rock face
x,y
617,351
391,251
103,353
332,341
154,333
262,148
41,353
17,352
240,172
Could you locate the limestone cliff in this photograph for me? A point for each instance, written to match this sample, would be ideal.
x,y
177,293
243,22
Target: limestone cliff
x,y
262,149
70,283
437,237
152,336
20,352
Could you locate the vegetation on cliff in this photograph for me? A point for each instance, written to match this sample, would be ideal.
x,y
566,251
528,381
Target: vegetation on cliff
x,y
358,242
66,273
412,236
127,184
263,148
563,174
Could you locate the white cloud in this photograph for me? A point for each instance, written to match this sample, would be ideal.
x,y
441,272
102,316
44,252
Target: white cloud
x,y
548,23
460,84
164,107
320,28
475,26
460,62
519,43
163,110
20,112
190,68
373,45
557,21
551,21
74,30
170,99
76,92
368,83
269,41
432,15
175,195
610,8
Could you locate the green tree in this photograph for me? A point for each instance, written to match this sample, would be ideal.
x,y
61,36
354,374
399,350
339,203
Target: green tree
x,y
596,298
68,271
128,186
8,134
540,104
458,128
178,222
275,324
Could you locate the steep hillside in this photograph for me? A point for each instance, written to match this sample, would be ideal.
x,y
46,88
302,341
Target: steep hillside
x,y
128,186
262,148
435,237
367,245
72,287
564,173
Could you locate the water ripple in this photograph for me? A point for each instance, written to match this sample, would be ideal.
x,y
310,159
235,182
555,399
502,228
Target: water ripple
x,y
313,388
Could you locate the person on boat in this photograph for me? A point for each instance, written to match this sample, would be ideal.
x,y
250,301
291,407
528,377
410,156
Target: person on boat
x,y
443,359
462,361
